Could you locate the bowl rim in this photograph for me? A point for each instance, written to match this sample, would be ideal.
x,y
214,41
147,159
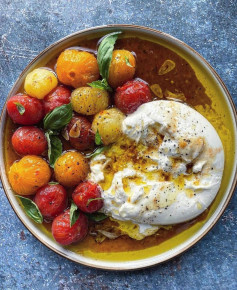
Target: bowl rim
x,y
145,30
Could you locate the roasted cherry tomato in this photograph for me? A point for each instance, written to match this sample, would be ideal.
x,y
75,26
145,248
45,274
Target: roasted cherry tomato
x,y
87,197
28,174
51,200
64,234
40,82
89,101
77,68
29,140
71,168
25,110
131,95
57,97
80,134
122,67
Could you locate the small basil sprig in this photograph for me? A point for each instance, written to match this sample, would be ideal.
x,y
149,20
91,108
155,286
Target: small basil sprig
x,y
31,209
105,51
53,183
92,199
55,147
58,118
54,121
97,216
74,214
127,61
104,58
21,109
97,152
98,140
103,85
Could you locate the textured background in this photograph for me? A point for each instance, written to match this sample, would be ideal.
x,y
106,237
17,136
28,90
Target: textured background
x,y
27,27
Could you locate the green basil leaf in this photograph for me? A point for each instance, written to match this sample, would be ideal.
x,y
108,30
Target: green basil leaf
x,y
21,109
101,84
98,140
91,199
31,209
97,151
97,216
55,147
127,61
105,51
74,214
58,118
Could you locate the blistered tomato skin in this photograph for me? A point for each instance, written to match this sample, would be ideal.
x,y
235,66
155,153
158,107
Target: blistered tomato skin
x,y
66,235
28,174
58,97
40,82
131,95
51,200
80,134
29,140
109,125
84,194
71,168
77,68
122,67
89,101
33,113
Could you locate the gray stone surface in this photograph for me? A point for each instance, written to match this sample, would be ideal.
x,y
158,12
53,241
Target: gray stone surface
x,y
27,27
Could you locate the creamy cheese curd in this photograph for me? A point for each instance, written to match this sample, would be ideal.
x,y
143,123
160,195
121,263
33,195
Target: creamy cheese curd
x,y
166,170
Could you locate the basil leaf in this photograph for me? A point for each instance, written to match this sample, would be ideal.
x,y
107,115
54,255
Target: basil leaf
x,y
105,51
97,216
98,140
31,209
127,61
53,183
91,199
101,84
74,214
58,118
21,109
97,151
55,147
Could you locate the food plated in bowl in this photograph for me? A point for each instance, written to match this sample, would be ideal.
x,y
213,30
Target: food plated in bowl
x,y
136,128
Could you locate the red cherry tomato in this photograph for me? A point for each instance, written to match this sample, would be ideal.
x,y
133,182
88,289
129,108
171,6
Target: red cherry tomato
x,y
29,140
80,134
87,197
51,200
57,97
25,110
64,234
131,95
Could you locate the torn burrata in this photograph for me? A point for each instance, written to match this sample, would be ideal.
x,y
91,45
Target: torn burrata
x,y
165,169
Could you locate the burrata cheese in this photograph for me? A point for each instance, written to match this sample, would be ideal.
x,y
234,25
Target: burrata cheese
x,y
167,168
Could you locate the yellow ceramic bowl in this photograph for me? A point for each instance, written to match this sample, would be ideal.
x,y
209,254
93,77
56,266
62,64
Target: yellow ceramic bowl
x,y
181,242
